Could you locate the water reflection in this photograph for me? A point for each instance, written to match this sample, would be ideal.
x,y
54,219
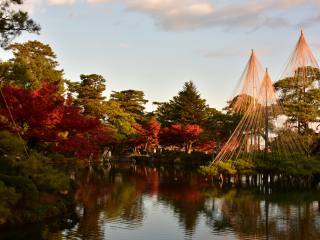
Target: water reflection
x,y
136,202
119,196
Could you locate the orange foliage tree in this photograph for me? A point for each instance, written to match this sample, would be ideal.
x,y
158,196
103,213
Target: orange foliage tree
x,y
183,136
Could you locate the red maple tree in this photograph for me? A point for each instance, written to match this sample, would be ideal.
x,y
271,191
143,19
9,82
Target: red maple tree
x,y
43,116
181,136
147,135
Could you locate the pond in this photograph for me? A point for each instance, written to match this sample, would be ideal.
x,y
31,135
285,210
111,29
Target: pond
x,y
161,203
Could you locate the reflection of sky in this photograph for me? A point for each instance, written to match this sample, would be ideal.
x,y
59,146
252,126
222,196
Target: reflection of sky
x,y
160,223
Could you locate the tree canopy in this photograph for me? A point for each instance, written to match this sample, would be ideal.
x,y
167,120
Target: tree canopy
x,y
132,102
300,96
186,108
33,63
89,94
13,22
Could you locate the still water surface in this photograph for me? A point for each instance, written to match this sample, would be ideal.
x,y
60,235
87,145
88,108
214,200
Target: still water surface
x,y
137,203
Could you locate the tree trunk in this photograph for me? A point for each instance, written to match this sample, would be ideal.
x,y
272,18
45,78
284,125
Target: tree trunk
x,y
188,148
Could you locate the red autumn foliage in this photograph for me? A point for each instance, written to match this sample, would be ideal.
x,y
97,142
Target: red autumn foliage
x,y
43,116
85,144
180,136
35,112
206,146
147,135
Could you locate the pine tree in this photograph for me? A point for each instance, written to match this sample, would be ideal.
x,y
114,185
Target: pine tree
x,y
13,21
89,93
33,63
186,108
300,96
132,102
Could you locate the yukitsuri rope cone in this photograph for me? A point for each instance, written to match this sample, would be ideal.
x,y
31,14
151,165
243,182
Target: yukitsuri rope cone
x,y
264,129
249,84
244,96
302,57
300,76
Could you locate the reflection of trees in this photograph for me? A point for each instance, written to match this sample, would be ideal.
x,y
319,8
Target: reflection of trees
x,y
107,195
116,196
256,215
126,204
186,202
176,188
180,189
93,191
89,226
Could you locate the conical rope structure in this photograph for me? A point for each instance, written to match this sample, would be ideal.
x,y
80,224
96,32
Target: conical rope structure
x,y
301,57
249,84
300,76
264,131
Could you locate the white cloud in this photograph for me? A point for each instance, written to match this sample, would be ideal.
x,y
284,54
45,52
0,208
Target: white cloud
x,y
170,8
180,15
201,8
190,14
32,5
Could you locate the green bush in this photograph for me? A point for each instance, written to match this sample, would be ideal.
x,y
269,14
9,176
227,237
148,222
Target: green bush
x,y
24,186
211,170
11,150
8,198
52,180
11,144
26,177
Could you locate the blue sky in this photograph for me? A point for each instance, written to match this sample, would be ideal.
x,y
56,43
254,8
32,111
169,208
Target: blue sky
x,y
157,45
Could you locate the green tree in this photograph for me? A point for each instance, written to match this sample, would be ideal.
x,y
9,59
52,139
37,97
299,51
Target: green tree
x,y
132,102
121,121
219,126
239,104
13,22
33,63
89,94
186,108
300,96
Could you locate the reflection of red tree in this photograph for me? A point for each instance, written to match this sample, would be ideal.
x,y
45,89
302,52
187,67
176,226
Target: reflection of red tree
x,y
184,194
186,199
123,199
147,180
92,191
181,192
88,194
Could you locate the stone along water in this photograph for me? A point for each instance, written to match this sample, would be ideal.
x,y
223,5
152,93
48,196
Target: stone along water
x,y
136,202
